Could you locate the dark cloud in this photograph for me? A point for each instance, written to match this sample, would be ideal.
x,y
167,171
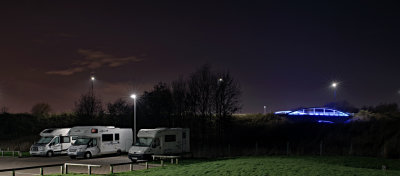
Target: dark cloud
x,y
94,60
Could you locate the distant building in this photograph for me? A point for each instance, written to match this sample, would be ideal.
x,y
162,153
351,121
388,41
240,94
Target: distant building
x,y
319,115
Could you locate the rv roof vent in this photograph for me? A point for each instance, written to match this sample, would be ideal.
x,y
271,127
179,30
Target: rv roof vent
x,y
110,127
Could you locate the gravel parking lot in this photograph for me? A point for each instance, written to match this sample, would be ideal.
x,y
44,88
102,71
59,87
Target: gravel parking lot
x,y
10,162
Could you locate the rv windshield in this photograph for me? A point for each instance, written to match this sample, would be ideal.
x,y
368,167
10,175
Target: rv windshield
x,y
144,141
82,141
45,140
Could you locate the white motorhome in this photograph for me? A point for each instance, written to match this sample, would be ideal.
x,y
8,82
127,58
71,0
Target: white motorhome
x,y
53,141
160,141
99,140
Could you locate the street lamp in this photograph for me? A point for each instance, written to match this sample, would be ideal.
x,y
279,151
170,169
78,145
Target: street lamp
x,y
92,78
265,110
334,86
133,96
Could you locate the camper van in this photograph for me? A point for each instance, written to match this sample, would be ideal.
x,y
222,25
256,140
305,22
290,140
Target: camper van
x,y
52,141
160,141
98,140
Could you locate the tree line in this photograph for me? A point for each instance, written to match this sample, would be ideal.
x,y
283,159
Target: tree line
x,y
206,102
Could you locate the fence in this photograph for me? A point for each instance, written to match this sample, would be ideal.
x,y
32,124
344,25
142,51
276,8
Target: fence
x,y
89,166
33,167
162,157
130,165
13,153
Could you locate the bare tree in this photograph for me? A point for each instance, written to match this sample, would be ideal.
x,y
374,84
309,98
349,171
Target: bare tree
x,y
201,85
227,96
4,110
41,109
89,106
179,95
118,108
227,102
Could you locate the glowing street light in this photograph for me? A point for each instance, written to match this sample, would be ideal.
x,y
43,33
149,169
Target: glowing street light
x,y
133,96
220,79
334,87
265,110
92,78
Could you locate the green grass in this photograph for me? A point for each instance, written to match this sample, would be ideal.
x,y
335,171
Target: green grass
x,y
25,154
8,154
278,166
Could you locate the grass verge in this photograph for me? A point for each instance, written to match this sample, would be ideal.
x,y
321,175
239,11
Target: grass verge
x,y
278,166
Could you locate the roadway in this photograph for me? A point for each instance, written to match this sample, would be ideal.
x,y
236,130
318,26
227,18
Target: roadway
x,y
10,162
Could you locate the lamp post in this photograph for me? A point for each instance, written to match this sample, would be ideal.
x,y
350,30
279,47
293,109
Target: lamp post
x,y
265,110
334,86
133,96
92,79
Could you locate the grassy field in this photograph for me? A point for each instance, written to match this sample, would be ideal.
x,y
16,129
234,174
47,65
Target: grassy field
x,y
278,166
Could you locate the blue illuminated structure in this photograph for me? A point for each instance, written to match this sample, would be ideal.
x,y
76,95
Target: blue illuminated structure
x,y
319,115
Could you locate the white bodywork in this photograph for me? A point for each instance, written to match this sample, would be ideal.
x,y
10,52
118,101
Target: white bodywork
x,y
53,141
99,140
160,141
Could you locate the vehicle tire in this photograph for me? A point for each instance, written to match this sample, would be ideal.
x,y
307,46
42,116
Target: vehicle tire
x,y
88,155
119,153
72,157
50,154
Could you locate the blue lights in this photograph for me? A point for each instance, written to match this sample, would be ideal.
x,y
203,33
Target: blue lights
x,y
316,115
325,121
282,112
315,112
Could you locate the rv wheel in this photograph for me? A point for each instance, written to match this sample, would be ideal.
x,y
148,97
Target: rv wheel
x,y
88,155
49,154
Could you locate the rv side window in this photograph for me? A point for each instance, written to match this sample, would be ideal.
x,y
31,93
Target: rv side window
x,y
94,142
107,137
170,138
116,136
56,140
65,139
157,142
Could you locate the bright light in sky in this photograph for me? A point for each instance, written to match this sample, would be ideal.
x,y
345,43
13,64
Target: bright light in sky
x,y
334,84
92,78
133,96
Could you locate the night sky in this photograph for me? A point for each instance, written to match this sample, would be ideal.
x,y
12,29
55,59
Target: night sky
x,y
284,54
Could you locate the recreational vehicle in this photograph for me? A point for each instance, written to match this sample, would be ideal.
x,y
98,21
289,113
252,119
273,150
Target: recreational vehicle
x,y
99,140
52,141
160,141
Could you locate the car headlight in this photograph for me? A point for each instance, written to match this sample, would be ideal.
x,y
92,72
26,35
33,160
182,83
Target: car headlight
x,y
41,148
